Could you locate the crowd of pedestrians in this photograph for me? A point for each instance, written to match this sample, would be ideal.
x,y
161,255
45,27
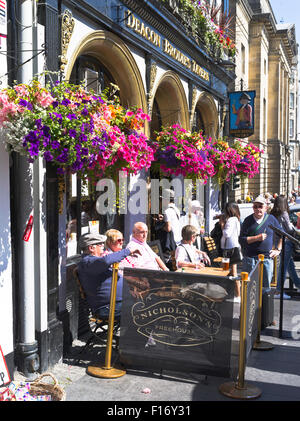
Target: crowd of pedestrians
x,y
180,237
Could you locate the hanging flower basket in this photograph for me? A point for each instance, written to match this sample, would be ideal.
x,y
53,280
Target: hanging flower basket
x,y
180,152
73,129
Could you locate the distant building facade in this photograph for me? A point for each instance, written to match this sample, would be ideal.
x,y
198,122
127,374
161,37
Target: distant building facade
x,y
267,63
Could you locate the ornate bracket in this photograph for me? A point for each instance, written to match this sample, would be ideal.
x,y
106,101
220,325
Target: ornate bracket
x,y
153,72
67,27
193,104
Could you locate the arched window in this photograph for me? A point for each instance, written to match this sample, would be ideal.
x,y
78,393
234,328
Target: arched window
x,y
198,123
81,197
89,70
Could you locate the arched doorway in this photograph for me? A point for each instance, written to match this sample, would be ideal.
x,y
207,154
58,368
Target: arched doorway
x,y
169,107
169,104
204,116
115,56
102,58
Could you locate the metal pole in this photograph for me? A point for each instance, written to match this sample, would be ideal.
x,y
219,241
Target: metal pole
x,y
107,371
243,319
111,318
241,390
281,287
28,361
261,345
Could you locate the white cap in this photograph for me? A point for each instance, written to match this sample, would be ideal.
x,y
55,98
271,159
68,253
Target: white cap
x,y
260,199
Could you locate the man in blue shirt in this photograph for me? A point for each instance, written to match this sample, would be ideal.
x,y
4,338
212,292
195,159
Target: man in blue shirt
x,y
95,274
257,237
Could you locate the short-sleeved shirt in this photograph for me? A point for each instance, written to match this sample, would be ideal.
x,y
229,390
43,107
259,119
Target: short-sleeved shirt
x,y
172,215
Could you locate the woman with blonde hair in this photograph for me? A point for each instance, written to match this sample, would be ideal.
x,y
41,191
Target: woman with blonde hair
x,y
114,240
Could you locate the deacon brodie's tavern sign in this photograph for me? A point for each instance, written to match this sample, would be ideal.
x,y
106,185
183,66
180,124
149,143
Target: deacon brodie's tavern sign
x,y
157,40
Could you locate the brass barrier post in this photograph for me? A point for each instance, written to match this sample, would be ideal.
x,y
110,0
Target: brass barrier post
x,y
274,280
258,344
107,371
240,389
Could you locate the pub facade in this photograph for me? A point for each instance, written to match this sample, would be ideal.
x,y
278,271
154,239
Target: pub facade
x,y
147,53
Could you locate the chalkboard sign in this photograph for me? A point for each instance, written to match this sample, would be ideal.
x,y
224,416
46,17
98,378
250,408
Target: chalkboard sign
x,y
177,321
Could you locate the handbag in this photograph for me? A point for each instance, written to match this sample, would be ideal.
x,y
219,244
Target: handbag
x,y
235,255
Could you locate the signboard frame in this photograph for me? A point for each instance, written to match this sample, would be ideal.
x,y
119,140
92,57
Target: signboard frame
x,y
241,113
177,321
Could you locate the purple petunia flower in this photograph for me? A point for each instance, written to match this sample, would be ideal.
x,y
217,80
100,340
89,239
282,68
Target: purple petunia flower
x,y
46,131
84,112
23,102
63,157
82,138
48,156
55,104
72,116
65,102
72,133
38,123
55,144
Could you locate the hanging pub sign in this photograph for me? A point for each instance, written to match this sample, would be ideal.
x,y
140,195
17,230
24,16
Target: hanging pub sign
x,y
241,113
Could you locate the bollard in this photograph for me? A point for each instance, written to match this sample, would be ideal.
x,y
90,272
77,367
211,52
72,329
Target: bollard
x,y
258,344
241,390
107,371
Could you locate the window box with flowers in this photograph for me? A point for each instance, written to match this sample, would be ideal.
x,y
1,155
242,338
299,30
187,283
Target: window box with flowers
x,y
207,24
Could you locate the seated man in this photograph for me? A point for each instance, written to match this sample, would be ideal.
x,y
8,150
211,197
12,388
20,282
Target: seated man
x,y
95,273
186,254
147,259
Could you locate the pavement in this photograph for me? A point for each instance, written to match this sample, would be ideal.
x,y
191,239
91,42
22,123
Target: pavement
x,y
275,372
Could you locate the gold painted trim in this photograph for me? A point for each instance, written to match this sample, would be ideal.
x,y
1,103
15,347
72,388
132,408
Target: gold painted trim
x,y
91,45
67,28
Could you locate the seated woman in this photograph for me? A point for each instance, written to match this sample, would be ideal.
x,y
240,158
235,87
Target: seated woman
x,y
114,241
186,254
95,273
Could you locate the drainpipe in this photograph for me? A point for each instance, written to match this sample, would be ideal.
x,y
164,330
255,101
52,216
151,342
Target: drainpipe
x,y
28,360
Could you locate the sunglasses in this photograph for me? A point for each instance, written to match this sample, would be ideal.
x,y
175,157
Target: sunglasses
x,y
120,240
258,206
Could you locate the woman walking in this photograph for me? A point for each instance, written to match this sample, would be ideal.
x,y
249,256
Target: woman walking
x,y
231,227
281,212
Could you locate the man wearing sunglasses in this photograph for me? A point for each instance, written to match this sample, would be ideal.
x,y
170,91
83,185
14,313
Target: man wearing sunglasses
x,y
95,273
257,237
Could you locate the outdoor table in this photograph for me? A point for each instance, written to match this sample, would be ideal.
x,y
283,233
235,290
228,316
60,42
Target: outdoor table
x,y
207,270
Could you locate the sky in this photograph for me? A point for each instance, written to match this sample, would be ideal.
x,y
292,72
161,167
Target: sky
x,y
287,11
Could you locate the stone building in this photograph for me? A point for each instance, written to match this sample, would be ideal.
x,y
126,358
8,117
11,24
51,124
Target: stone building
x,y
149,50
267,63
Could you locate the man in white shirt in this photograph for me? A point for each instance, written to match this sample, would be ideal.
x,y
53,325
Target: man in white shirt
x,y
147,259
171,215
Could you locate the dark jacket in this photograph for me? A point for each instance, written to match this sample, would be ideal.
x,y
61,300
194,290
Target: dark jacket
x,y
95,274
